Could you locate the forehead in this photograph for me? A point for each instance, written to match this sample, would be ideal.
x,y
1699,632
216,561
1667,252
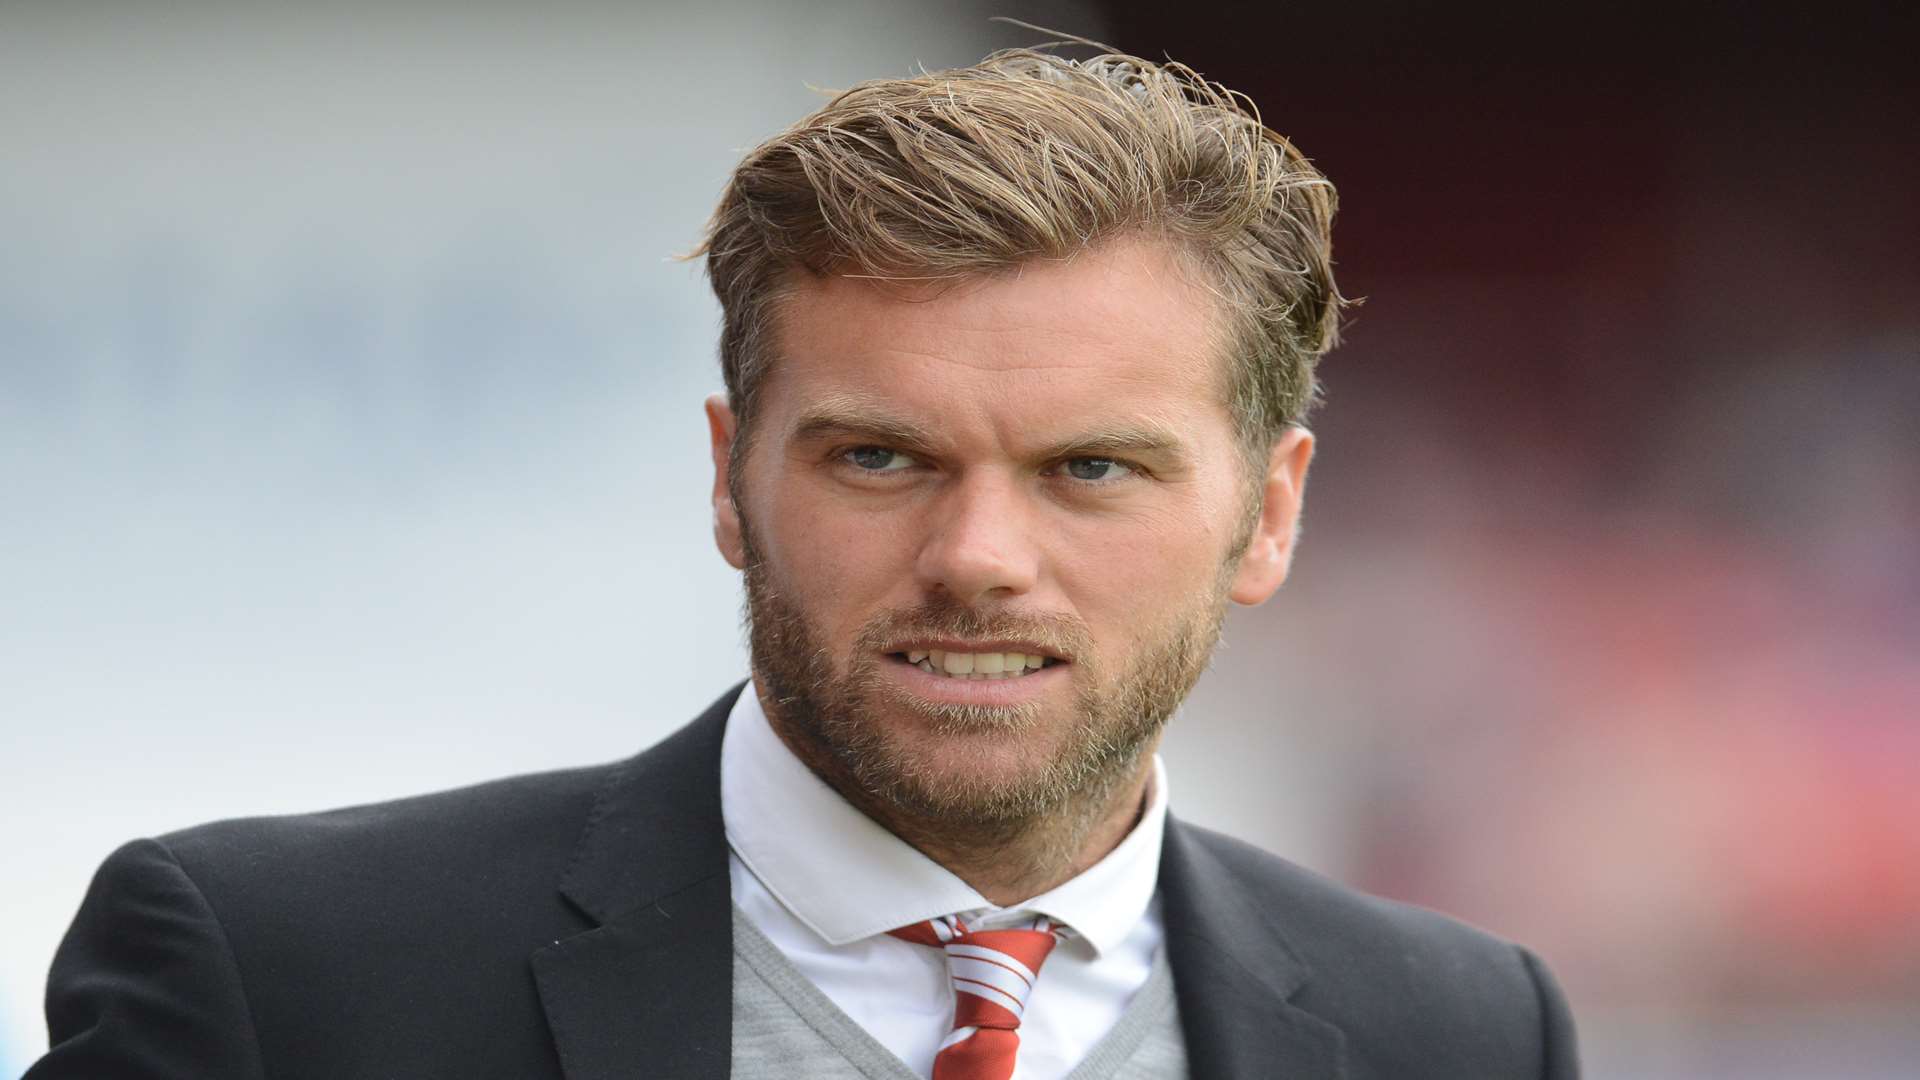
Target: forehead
x,y
1124,327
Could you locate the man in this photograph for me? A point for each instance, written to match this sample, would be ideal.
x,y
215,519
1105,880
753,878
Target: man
x,y
1016,359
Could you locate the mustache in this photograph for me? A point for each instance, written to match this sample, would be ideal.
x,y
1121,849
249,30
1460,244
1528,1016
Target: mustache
x,y
1065,636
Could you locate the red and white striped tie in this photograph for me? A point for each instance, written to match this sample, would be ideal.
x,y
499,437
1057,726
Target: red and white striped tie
x,y
993,971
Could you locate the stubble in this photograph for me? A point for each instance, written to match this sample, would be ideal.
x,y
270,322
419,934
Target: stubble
x,y
1031,826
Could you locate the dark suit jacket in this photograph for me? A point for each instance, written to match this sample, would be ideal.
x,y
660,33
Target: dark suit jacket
x,y
576,924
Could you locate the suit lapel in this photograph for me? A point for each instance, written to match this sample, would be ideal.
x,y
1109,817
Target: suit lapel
x,y
649,991
1233,974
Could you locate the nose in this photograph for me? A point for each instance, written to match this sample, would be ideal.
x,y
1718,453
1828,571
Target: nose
x,y
980,544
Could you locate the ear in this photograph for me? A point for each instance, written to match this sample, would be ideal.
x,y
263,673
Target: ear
x,y
1269,553
721,428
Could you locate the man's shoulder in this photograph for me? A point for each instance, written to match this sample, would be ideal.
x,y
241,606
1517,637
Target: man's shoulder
x,y
305,936
484,820
1397,980
427,872
502,845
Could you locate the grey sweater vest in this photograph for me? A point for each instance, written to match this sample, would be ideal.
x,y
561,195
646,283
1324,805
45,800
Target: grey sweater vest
x,y
784,1027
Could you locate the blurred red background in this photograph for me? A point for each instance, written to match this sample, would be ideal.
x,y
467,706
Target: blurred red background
x,y
1612,538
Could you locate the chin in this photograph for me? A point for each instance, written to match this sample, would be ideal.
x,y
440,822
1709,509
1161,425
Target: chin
x,y
993,769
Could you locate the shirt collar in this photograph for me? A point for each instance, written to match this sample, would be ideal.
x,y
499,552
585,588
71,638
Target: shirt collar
x,y
847,878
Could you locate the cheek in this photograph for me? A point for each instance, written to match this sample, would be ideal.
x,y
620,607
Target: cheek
x,y
837,566
1125,574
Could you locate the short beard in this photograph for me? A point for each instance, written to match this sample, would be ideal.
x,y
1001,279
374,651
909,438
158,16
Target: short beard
x,y
830,720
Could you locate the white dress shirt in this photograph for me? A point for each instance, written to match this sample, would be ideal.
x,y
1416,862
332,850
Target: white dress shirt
x,y
825,883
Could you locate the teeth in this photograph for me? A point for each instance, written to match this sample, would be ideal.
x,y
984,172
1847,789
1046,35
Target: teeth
x,y
984,665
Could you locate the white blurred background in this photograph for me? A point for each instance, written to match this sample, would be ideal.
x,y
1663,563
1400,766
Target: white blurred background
x,y
350,431
350,447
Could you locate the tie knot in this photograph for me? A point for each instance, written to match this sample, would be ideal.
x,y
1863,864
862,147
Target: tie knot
x,y
993,971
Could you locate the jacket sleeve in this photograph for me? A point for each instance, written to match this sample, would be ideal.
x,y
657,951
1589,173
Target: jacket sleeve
x,y
1559,1052
145,986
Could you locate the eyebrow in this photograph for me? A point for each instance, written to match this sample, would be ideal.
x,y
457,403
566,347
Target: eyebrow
x,y
1139,438
845,418
851,418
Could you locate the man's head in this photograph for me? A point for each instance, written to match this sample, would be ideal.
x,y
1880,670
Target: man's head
x,y
1028,156
1015,359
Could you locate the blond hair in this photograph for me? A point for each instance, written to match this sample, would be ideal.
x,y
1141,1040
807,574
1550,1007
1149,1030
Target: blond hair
x,y
1028,155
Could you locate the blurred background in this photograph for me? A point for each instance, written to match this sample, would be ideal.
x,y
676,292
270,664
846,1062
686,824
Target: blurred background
x,y
350,447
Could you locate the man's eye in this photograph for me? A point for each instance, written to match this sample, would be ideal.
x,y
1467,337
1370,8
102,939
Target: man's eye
x,y
876,459
1096,469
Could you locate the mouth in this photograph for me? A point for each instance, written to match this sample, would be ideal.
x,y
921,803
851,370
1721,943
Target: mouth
x,y
976,664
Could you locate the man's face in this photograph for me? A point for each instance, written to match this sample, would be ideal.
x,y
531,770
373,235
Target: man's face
x,y
990,532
